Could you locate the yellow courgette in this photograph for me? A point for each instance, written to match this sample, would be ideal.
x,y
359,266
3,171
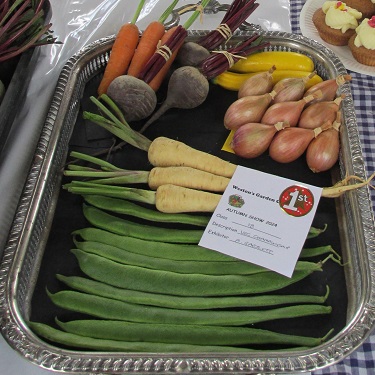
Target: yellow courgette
x,y
283,60
233,81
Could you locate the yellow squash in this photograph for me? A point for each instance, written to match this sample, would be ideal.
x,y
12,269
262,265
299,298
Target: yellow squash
x,y
233,81
283,60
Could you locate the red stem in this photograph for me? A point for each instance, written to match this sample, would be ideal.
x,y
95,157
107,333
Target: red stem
x,y
235,17
20,31
13,20
31,43
157,61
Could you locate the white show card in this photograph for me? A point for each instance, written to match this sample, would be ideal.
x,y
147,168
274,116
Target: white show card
x,y
263,219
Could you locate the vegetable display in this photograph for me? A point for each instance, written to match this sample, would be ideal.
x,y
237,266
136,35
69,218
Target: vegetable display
x,y
140,281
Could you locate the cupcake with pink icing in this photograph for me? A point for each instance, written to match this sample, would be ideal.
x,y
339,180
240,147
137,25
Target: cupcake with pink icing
x,y
362,44
336,22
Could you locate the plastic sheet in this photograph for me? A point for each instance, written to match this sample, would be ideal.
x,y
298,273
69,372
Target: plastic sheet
x,y
77,23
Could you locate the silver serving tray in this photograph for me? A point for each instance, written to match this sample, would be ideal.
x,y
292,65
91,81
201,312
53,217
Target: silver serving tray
x,y
27,239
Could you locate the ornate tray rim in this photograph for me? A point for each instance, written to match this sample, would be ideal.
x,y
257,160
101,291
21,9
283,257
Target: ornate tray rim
x,y
14,299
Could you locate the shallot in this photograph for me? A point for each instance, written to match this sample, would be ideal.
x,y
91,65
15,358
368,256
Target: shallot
x,y
323,151
247,109
329,87
258,84
291,143
317,113
253,139
289,89
286,111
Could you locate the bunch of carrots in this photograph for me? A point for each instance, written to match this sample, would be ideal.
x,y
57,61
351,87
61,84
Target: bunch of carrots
x,y
149,56
131,51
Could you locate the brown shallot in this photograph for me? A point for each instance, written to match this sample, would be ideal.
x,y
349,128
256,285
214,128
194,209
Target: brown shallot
x,y
290,89
247,109
253,139
329,87
323,151
286,111
258,84
291,143
317,113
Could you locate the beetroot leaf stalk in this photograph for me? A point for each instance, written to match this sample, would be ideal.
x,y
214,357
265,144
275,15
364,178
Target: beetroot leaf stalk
x,y
173,44
220,61
236,14
22,27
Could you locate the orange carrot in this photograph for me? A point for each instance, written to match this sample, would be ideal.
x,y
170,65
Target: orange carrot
x,y
146,47
123,48
149,42
158,79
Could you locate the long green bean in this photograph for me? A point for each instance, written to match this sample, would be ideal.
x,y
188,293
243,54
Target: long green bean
x,y
181,333
121,226
320,250
82,342
89,286
108,308
194,266
122,206
152,248
166,282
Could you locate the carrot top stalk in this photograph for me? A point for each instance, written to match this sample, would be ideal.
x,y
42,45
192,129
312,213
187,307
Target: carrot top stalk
x,y
148,42
122,52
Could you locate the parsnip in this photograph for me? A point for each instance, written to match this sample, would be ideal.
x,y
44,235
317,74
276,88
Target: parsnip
x,y
180,175
175,153
174,199
167,152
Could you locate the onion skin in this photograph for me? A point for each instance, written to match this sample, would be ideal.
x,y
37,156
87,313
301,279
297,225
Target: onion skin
x,y
253,139
247,109
328,88
291,89
323,151
317,113
290,144
258,84
286,111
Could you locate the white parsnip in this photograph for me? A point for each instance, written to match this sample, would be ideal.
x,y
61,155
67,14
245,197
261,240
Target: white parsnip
x,y
166,152
175,199
187,177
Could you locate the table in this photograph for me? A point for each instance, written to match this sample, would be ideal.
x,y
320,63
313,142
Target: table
x,y
361,361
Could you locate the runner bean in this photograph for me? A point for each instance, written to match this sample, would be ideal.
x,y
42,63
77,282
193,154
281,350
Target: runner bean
x,y
181,333
194,266
108,308
89,286
125,227
122,206
166,282
151,248
76,341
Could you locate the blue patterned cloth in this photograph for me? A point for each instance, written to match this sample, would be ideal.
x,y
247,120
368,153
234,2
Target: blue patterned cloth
x,y
362,361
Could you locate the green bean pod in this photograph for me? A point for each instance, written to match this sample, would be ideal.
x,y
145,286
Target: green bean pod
x,y
182,333
205,268
320,250
108,308
167,250
125,227
166,282
90,343
123,206
97,288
